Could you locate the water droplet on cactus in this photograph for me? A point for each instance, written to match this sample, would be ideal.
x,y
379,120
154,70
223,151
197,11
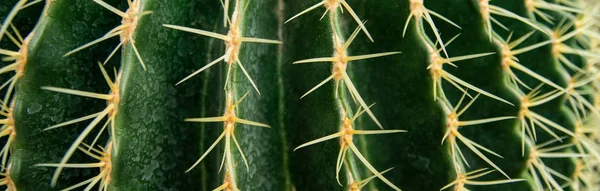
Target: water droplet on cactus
x,y
34,108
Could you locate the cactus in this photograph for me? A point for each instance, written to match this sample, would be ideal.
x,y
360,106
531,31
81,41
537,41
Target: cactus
x,y
300,95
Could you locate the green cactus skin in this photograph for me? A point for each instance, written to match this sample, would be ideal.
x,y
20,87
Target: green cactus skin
x,y
178,127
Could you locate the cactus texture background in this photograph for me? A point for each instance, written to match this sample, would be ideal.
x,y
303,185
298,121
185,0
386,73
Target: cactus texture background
x,y
300,95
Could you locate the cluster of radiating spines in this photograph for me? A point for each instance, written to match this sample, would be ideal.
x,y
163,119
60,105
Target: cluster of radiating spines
x,y
340,58
357,185
233,42
103,164
509,50
584,177
537,8
453,137
586,143
110,112
437,72
229,120
584,30
330,7
6,180
17,60
530,121
586,36
228,184
487,11
582,81
558,37
345,137
580,27
125,30
464,179
587,168
437,61
560,48
586,174
7,130
544,176
577,88
423,16
340,61
579,105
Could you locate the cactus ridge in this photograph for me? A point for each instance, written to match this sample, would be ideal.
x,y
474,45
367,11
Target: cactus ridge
x,y
452,135
233,40
340,61
19,61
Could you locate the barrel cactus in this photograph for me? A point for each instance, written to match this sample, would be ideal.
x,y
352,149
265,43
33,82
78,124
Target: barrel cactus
x,y
300,95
